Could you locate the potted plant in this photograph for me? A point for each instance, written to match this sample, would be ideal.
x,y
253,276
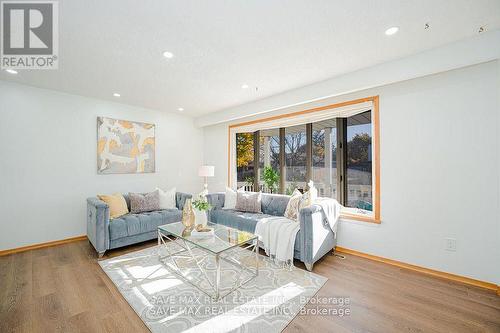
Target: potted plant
x,y
271,178
200,208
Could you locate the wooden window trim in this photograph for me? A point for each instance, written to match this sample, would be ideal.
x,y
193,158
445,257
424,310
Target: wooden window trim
x,y
376,143
359,217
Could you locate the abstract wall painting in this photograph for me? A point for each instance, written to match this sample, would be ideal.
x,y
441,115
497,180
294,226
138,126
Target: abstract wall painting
x,y
125,146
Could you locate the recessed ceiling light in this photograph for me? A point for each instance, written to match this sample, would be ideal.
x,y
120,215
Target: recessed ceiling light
x,y
180,109
11,71
391,31
116,95
244,86
168,55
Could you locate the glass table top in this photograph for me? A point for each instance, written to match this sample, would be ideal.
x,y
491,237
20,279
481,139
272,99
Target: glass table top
x,y
224,238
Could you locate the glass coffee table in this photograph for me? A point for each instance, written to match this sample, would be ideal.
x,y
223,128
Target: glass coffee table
x,y
222,246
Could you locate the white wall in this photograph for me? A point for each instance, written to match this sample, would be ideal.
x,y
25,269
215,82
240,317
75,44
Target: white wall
x,y
466,52
439,172
48,161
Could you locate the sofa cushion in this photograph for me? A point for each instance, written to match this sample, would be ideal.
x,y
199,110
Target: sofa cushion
x,y
230,198
167,198
239,220
248,202
274,204
292,208
147,202
116,203
135,224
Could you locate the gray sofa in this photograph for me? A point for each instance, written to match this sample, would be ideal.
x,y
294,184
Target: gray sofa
x,y
106,234
314,239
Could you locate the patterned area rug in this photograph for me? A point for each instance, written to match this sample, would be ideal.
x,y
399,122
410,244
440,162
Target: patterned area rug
x,y
166,303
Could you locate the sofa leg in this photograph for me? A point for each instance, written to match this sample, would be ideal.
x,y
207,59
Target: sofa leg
x,y
309,266
100,254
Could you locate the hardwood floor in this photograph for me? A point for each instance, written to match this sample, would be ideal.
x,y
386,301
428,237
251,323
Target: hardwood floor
x,y
62,288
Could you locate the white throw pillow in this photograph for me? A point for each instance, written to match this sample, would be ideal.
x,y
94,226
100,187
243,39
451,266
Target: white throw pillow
x,y
167,198
230,198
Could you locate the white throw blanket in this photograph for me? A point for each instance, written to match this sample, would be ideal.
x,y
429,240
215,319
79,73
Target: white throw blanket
x,y
331,210
277,237
277,234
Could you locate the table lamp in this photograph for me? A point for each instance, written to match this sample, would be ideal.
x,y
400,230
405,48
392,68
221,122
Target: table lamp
x,y
206,171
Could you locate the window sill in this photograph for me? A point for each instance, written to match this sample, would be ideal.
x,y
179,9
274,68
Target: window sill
x,y
358,217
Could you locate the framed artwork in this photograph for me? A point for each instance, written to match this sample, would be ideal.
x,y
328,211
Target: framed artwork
x,y
125,146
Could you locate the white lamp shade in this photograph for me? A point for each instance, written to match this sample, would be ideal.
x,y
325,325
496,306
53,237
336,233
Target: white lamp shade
x,y
206,171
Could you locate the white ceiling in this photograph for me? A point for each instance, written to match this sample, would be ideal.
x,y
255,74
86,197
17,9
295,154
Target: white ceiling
x,y
117,45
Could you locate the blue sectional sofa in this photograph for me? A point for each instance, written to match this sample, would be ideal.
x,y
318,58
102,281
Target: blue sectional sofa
x,y
106,234
314,239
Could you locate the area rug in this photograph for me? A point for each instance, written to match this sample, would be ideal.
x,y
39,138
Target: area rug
x,y
166,303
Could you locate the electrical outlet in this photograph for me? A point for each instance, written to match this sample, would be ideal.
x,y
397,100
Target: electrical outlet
x,y
450,244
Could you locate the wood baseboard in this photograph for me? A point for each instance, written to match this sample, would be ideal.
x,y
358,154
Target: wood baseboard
x,y
428,271
42,245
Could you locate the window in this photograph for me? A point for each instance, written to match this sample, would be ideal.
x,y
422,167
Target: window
x,y
359,162
245,160
269,149
336,146
324,157
295,158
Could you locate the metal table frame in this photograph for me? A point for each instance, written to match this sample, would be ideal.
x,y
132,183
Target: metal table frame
x,y
187,253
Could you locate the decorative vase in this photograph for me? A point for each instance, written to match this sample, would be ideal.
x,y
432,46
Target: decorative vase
x,y
200,217
188,216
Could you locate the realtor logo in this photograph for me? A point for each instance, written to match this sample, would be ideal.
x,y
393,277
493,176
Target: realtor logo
x,y
29,35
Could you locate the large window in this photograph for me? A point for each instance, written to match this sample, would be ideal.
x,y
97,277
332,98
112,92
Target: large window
x,y
337,149
359,162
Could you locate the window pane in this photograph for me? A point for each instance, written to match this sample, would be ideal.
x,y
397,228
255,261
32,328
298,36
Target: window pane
x,y
244,160
295,158
359,161
324,155
269,157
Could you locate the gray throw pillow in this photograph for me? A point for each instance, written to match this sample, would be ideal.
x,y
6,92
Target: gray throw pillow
x,y
144,202
248,202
